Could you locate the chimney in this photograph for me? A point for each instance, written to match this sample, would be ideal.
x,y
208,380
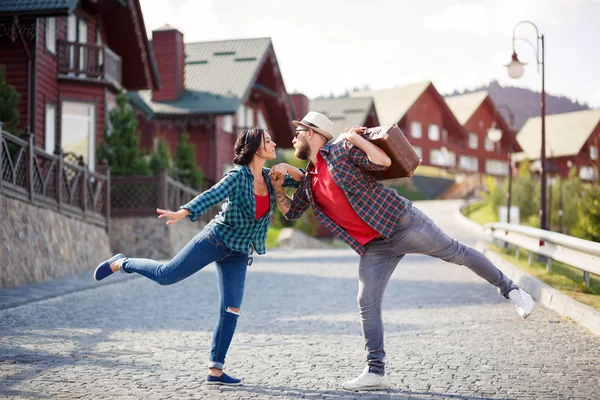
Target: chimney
x,y
300,102
168,48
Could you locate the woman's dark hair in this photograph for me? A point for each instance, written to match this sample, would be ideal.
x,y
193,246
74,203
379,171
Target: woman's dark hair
x,y
247,145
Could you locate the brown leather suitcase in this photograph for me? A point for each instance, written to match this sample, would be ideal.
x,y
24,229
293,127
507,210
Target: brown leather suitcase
x,y
390,139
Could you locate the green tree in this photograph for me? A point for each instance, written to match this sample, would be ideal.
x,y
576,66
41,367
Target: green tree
x,y
161,159
121,147
589,214
185,163
9,99
525,193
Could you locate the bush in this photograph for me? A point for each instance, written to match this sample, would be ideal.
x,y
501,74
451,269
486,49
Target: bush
x,y
185,163
589,214
161,159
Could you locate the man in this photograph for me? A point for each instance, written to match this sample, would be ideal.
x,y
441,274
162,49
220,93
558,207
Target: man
x,y
378,223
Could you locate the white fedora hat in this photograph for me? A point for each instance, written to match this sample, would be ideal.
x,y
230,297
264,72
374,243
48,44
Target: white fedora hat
x,y
318,123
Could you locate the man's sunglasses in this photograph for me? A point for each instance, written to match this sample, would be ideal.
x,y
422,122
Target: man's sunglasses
x,y
297,132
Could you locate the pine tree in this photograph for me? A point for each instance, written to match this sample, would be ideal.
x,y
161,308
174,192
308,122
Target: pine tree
x,y
121,147
185,163
161,159
9,99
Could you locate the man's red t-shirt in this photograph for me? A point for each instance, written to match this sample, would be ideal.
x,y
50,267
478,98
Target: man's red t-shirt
x,y
335,204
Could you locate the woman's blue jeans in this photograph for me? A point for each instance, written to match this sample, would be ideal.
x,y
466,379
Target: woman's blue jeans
x,y
205,248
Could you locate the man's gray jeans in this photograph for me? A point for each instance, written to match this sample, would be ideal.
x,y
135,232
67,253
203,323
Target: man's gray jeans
x,y
416,234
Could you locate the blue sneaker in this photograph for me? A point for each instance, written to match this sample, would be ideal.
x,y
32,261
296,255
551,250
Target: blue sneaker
x,y
223,380
103,269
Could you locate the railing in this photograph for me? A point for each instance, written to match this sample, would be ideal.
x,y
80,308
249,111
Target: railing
x,y
578,253
30,174
140,196
82,60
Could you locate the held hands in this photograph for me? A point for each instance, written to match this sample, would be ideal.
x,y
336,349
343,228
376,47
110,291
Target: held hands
x,y
173,216
277,175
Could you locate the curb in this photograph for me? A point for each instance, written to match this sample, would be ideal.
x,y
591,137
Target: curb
x,y
545,294
540,291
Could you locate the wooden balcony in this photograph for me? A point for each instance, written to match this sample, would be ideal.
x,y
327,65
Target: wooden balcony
x,y
89,62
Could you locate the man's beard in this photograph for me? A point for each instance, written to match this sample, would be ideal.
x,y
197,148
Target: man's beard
x,y
302,151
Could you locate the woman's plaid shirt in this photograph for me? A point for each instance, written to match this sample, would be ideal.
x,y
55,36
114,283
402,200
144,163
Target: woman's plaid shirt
x,y
379,206
236,223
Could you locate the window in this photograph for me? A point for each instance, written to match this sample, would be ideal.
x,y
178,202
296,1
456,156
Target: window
x,y
473,140
442,158
51,35
469,163
78,130
241,117
434,132
50,128
415,130
593,153
444,136
419,151
100,51
488,144
586,173
496,167
245,117
249,117
261,123
227,123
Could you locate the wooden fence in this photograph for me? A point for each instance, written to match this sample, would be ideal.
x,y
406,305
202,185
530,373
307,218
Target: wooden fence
x,y
140,196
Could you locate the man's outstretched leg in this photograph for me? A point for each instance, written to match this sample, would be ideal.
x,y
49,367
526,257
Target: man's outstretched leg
x,y
418,234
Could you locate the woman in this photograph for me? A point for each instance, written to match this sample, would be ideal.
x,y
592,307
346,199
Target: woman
x,y
228,240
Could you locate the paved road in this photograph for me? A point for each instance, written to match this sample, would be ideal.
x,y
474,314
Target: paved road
x,y
448,335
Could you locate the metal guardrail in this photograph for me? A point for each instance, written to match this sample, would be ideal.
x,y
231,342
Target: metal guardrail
x,y
578,253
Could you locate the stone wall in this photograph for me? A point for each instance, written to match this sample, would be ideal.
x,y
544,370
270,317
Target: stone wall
x,y
295,239
150,237
39,243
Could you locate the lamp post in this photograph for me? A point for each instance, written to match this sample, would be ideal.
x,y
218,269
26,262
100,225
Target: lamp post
x,y
515,70
495,134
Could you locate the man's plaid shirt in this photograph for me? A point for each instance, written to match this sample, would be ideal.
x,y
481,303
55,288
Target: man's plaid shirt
x,y
236,223
379,206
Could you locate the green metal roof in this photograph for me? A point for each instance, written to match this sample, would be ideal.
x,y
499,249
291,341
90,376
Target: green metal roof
x,y
218,76
344,112
38,7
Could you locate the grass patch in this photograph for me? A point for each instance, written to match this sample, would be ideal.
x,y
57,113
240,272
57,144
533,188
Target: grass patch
x,y
566,279
482,212
272,235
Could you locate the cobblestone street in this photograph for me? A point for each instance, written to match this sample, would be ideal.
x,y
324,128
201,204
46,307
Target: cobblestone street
x,y
448,335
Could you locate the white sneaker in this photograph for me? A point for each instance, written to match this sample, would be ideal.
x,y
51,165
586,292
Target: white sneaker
x,y
522,301
367,381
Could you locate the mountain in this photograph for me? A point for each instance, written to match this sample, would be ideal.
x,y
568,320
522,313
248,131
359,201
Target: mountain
x,y
525,103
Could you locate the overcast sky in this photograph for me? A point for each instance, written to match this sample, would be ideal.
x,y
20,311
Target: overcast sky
x,y
329,46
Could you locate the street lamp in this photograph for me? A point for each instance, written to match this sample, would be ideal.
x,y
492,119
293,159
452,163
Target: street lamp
x,y
515,70
495,134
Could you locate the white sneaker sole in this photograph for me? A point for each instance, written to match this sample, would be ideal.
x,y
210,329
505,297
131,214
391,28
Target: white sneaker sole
x,y
376,387
527,314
